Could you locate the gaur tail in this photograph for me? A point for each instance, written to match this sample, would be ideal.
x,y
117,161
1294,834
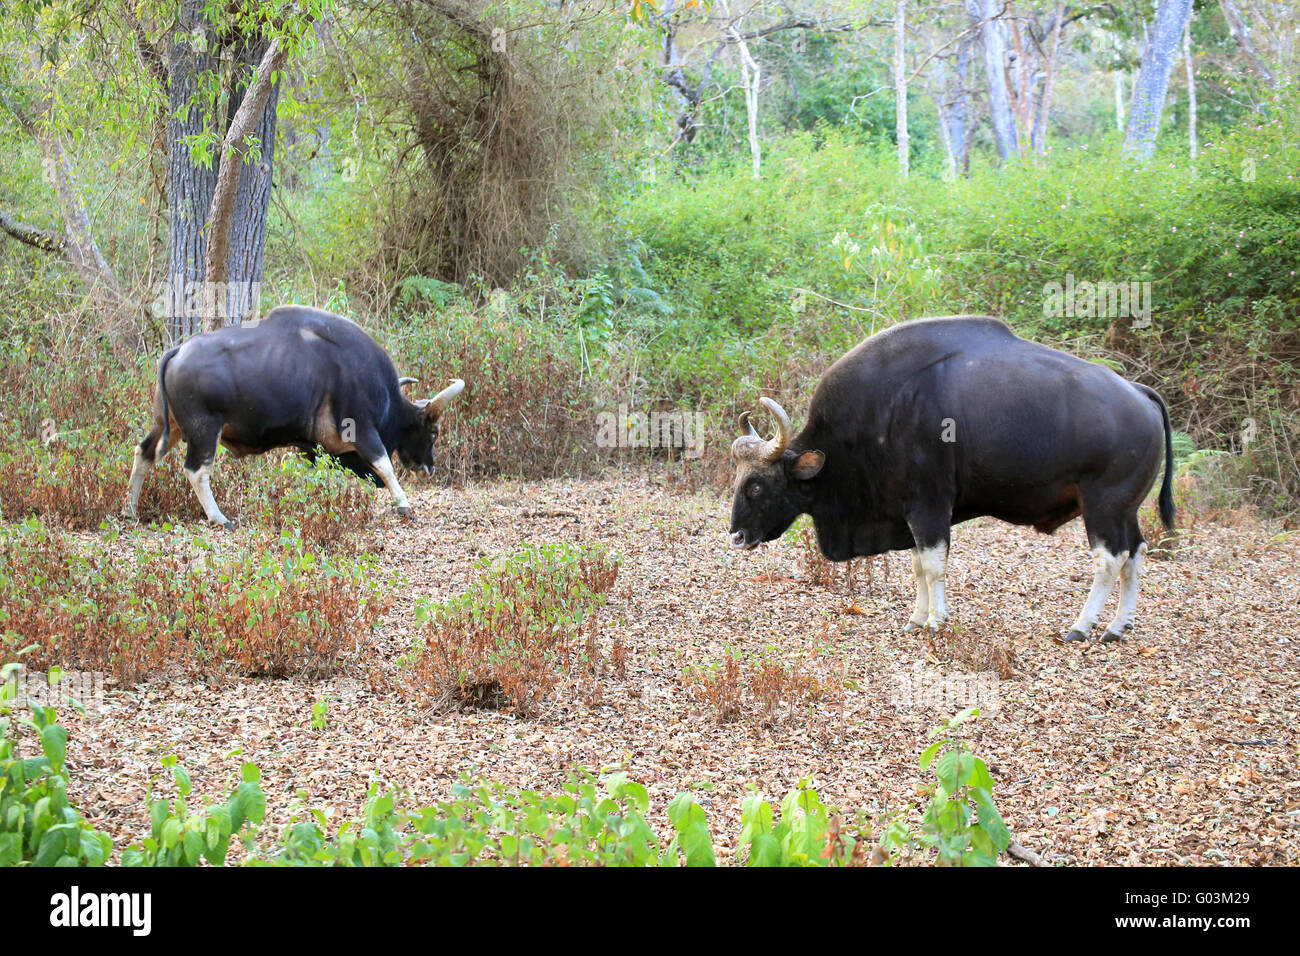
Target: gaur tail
x,y
1167,487
160,405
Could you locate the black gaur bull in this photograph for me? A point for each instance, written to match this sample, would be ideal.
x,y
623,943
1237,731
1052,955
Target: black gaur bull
x,y
937,421
301,378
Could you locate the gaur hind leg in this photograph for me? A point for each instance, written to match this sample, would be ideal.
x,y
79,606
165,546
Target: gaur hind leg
x,y
200,453
1117,548
1129,576
151,450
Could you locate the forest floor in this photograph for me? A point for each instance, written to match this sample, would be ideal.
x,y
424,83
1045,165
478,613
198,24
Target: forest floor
x,y
1178,746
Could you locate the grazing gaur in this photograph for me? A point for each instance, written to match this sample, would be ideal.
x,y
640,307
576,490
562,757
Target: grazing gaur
x,y
302,378
936,421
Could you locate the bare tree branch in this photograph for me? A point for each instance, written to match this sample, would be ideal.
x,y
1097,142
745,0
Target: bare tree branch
x,y
43,239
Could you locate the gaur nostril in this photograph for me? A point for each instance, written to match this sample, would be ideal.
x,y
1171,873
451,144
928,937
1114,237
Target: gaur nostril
x,y
738,539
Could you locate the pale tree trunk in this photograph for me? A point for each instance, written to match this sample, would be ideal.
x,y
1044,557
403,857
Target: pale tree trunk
x,y
82,250
750,76
984,13
1191,88
1049,79
1241,36
900,85
957,108
1153,79
1018,81
252,202
1119,100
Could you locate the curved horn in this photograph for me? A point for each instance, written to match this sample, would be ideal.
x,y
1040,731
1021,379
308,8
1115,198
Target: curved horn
x,y
443,398
747,424
784,432
406,380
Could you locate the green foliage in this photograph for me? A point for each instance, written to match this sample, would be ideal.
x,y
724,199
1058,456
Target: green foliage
x,y
320,713
181,837
591,822
802,836
37,825
961,823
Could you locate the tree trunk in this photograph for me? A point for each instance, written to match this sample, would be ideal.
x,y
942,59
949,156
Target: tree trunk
x,y
189,183
749,76
247,235
1119,100
78,241
958,108
984,13
1019,81
1191,88
900,85
198,296
1153,78
1049,79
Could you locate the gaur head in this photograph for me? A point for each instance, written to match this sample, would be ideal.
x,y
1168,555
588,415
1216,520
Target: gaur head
x,y
772,480
416,445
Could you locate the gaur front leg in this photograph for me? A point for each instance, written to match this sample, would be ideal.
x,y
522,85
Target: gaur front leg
x,y
921,612
930,562
372,450
200,453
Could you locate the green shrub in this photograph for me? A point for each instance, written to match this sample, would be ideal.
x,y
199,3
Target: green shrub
x,y
961,822
179,837
526,628
37,825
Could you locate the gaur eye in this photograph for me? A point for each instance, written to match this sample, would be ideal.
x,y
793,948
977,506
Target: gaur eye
x,y
754,489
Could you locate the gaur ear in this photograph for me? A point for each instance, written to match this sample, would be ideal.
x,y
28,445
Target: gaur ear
x,y
808,464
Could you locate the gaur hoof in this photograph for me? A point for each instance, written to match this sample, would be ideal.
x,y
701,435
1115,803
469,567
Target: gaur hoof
x,y
407,513
229,526
1110,637
911,626
1076,636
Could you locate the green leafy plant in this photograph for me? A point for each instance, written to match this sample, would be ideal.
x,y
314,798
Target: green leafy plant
x,y
961,823
320,713
37,825
180,837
